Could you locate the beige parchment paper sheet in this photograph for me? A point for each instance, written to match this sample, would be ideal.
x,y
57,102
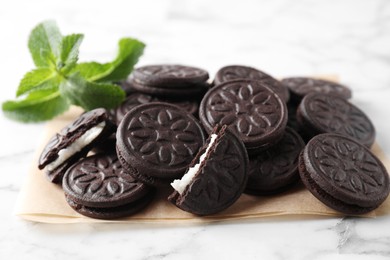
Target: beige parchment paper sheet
x,y
42,201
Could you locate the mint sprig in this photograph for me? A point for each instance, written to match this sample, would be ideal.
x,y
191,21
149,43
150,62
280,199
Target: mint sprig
x,y
59,81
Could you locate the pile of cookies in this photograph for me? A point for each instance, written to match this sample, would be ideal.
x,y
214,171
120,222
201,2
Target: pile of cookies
x,y
245,132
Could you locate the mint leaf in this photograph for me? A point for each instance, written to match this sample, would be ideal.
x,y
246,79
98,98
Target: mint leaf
x,y
92,70
38,106
128,54
45,44
70,51
91,95
38,79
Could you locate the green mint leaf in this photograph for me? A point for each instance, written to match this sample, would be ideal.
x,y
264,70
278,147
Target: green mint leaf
x,y
90,95
92,70
41,78
45,44
37,106
128,54
70,51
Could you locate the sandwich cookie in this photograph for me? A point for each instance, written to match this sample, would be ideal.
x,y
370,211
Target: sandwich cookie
x,y
343,174
323,113
99,187
157,141
74,142
234,72
301,86
255,113
216,177
276,168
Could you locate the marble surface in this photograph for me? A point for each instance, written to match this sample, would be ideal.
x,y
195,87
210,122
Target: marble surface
x,y
347,38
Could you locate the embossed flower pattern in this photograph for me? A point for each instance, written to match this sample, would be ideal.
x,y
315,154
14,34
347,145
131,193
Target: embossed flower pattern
x,y
223,173
250,109
348,166
337,115
101,178
164,137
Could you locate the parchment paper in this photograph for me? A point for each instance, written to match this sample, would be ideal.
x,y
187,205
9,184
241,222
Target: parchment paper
x,y
42,201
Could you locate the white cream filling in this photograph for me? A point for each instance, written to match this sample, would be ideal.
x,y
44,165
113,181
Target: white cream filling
x,y
180,185
76,146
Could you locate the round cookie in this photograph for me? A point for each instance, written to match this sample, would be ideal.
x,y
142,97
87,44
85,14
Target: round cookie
x,y
343,174
277,167
136,98
100,184
169,76
73,142
322,113
301,86
216,177
251,110
167,92
234,72
158,141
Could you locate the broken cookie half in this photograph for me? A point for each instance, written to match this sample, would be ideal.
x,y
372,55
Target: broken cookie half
x,y
73,142
216,177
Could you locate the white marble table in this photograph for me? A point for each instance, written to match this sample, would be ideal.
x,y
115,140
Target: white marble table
x,y
347,38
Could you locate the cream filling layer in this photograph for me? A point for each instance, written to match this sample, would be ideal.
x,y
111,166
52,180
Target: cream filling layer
x,y
180,185
76,146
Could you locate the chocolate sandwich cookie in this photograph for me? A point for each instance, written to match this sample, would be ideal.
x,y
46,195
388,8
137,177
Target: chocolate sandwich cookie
x,y
216,177
343,174
169,80
234,72
323,113
251,110
135,99
73,142
276,168
157,141
99,187
169,76
301,86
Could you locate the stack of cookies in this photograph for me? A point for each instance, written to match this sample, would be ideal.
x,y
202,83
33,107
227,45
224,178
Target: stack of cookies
x,y
245,132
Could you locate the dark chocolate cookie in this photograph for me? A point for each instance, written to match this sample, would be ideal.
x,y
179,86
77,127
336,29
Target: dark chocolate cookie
x,y
73,142
111,213
135,99
188,91
169,76
322,113
100,181
343,174
99,187
301,86
216,177
158,140
234,72
277,167
254,112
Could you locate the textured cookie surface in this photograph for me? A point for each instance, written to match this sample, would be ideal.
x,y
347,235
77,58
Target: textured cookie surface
x,y
159,139
135,99
100,181
221,179
235,72
251,110
301,86
321,113
276,167
169,76
343,174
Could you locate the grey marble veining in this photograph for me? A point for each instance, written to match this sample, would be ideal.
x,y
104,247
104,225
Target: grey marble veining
x,y
348,38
